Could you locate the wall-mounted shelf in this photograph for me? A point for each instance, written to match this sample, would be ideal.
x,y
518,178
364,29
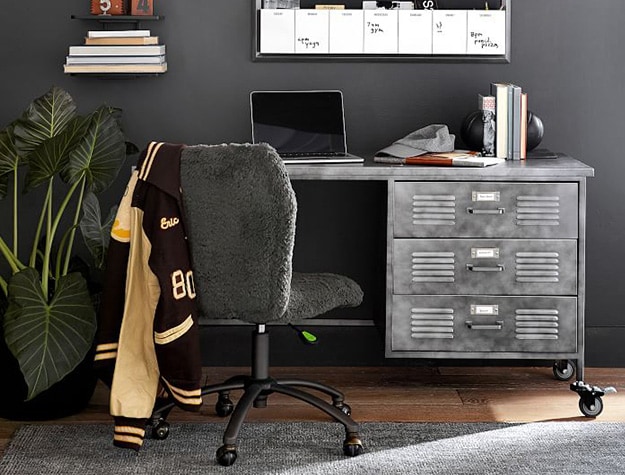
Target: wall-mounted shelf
x,y
461,32
118,18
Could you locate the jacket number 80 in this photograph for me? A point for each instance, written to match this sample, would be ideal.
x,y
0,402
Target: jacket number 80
x,y
182,284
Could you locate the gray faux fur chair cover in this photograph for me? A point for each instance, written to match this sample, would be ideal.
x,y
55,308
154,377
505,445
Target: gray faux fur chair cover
x,y
240,211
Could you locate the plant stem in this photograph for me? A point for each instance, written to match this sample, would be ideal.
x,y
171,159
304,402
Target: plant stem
x,y
68,254
11,259
33,252
15,229
4,286
45,269
52,227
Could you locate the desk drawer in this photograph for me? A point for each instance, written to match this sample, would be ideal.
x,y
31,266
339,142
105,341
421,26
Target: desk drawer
x,y
486,209
485,266
484,324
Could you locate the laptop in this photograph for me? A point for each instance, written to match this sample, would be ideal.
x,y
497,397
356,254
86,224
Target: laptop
x,y
303,126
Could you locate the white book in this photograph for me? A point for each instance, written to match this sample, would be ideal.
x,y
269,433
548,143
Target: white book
x,y
116,33
92,50
115,68
115,59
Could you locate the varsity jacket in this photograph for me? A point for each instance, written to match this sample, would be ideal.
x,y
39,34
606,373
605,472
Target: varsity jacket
x,y
148,338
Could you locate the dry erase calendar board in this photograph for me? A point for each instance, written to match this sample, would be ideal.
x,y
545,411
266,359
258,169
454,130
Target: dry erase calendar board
x,y
454,31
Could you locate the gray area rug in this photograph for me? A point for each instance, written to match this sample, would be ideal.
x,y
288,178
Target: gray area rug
x,y
586,447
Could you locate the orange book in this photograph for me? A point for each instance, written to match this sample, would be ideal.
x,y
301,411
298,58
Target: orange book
x,y
523,125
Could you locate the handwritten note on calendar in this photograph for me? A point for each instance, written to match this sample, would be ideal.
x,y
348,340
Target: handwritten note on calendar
x,y
311,31
486,32
380,31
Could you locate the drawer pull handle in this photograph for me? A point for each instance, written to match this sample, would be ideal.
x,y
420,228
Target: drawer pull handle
x,y
498,325
486,211
497,268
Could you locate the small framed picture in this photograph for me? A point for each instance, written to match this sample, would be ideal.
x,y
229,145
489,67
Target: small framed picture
x,y
142,7
108,7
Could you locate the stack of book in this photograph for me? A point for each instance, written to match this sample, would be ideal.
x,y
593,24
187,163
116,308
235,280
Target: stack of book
x,y
510,121
117,51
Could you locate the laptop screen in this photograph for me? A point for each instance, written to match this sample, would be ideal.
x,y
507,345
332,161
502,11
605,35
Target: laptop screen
x,y
299,121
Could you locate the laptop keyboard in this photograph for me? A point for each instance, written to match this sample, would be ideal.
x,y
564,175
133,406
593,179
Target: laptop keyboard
x,y
311,154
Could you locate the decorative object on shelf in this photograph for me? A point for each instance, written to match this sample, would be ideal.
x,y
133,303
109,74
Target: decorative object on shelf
x,y
108,7
535,130
426,4
142,7
472,131
486,104
47,305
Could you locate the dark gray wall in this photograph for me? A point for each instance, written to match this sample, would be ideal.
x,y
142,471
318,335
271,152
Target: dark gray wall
x,y
566,54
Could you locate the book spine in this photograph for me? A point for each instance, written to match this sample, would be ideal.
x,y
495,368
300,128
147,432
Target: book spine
x,y
116,33
516,122
149,50
501,113
523,125
510,123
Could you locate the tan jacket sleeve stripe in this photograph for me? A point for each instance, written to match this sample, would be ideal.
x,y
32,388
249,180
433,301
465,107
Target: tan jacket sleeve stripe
x,y
107,346
105,356
130,430
131,439
173,333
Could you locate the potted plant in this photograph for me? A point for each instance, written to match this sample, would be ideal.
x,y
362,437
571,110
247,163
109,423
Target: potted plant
x,y
47,315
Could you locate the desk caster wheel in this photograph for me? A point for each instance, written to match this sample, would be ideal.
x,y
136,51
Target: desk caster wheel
x,y
224,406
352,446
563,370
591,406
160,431
226,455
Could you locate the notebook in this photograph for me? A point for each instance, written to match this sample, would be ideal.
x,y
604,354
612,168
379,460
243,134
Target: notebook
x,y
303,126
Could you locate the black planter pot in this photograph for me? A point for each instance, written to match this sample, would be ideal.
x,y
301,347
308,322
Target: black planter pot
x,y
69,396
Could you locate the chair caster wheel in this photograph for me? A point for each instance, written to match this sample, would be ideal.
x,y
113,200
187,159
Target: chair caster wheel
x,y
160,431
345,408
224,406
591,407
352,446
226,455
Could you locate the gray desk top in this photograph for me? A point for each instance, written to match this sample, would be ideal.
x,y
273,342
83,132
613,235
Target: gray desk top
x,y
562,168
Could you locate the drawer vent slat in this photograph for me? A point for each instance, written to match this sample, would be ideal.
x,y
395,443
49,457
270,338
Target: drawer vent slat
x,y
435,210
435,266
537,267
536,324
538,211
432,323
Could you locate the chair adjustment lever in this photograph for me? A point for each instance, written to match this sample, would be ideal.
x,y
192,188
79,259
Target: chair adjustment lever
x,y
304,335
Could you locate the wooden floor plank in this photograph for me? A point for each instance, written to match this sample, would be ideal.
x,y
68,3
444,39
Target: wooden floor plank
x,y
403,394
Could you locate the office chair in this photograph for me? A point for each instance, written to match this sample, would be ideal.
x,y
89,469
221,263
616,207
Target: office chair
x,y
240,212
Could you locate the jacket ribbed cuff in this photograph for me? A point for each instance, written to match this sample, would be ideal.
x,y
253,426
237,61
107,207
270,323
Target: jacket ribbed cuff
x,y
129,433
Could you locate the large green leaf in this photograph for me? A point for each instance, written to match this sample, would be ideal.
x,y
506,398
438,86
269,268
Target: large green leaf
x,y
9,158
100,154
48,339
52,155
46,117
4,185
96,233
